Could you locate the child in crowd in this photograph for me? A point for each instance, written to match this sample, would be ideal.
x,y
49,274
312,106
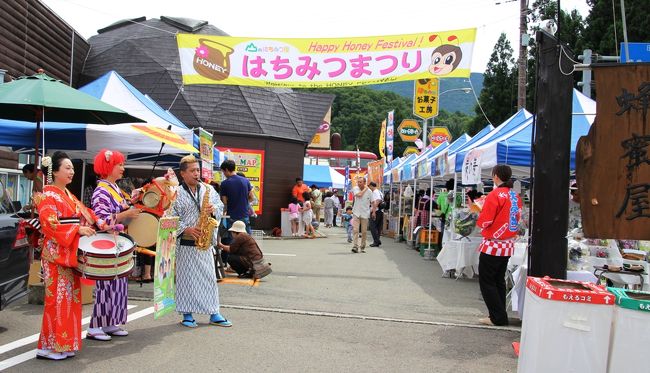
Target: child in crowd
x,y
308,216
294,216
328,204
347,222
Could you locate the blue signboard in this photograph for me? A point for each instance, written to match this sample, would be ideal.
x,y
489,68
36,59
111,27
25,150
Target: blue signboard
x,y
639,52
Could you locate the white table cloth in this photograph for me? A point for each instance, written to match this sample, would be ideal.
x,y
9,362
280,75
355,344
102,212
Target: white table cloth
x,y
460,255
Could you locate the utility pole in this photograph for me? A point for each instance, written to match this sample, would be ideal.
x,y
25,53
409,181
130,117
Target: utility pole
x,y
523,54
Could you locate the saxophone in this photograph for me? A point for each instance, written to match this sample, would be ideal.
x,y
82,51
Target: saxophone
x,y
206,223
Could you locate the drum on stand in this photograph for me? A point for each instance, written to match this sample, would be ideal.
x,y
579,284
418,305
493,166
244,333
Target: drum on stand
x,y
144,229
105,256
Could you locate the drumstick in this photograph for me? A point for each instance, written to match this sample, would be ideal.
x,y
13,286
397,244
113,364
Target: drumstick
x,y
142,250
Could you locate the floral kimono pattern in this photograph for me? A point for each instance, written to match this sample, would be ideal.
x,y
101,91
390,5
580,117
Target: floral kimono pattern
x,y
60,216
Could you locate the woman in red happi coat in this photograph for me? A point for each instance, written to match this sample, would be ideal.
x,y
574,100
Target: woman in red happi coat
x,y
63,221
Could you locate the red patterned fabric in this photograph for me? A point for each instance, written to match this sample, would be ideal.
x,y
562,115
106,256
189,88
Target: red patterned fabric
x,y
61,328
497,248
499,218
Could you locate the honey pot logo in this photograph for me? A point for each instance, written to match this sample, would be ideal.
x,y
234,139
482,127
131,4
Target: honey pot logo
x,y
212,59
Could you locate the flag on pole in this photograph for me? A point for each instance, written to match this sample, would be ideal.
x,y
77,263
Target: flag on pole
x,y
382,139
389,136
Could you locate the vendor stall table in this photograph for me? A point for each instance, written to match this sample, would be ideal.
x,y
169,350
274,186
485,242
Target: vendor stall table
x,y
460,256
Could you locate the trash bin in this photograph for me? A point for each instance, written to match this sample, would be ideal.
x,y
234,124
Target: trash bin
x,y
566,327
630,331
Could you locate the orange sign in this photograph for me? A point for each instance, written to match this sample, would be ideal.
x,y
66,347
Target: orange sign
x,y
438,135
409,130
425,98
411,150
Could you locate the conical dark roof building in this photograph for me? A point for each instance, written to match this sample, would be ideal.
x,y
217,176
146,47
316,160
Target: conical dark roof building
x,y
279,121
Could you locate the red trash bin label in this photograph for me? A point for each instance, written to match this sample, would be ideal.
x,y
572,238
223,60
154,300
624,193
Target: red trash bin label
x,y
573,292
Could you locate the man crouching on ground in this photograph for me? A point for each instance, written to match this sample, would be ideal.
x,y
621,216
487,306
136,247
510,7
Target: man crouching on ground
x,y
243,251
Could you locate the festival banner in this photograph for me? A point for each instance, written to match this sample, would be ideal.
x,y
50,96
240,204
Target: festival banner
x,y
321,139
205,149
382,139
165,263
251,163
390,132
324,62
472,167
376,172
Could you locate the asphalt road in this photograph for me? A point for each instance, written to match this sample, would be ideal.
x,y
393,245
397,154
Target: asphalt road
x,y
322,309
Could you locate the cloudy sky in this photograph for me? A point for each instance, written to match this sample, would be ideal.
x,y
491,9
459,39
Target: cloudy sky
x,y
333,18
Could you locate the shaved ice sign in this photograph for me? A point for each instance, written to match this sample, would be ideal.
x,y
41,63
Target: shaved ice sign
x,y
318,62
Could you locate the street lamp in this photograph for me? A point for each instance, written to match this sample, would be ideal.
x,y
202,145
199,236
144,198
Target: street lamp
x,y
425,133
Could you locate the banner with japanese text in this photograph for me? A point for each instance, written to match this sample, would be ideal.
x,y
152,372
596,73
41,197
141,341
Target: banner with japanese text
x,y
324,62
376,171
251,163
206,153
382,139
163,282
390,133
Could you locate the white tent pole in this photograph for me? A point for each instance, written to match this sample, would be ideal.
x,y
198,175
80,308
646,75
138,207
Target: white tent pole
x,y
430,209
453,205
83,179
415,190
399,211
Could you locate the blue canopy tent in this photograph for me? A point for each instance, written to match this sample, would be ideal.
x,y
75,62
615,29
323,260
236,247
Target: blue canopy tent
x,y
511,124
514,148
84,141
322,176
441,162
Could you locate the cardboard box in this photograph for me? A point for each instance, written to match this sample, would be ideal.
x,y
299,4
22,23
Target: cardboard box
x,y
36,286
34,273
87,293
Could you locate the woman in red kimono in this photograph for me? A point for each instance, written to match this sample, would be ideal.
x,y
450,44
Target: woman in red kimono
x,y
63,221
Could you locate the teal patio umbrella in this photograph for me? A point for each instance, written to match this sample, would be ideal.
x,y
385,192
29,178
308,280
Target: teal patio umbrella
x,y
39,97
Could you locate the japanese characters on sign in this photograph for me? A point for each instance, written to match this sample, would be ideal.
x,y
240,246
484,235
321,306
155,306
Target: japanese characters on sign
x,y
205,145
251,163
390,133
438,135
409,130
612,163
316,62
472,167
636,203
425,98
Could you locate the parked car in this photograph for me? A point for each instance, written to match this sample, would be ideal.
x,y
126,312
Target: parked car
x,y
15,251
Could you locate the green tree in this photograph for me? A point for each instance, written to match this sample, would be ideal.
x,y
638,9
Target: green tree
x,y
499,95
599,35
570,33
456,122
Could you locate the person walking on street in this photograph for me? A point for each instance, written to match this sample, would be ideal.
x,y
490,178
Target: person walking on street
x,y
376,215
346,219
361,214
328,207
236,194
499,221
308,216
317,199
337,205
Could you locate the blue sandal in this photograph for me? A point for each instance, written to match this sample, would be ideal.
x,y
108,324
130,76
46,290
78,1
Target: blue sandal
x,y
188,321
220,321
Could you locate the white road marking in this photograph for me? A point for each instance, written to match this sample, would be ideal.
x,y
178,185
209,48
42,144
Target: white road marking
x,y
33,338
292,276
271,254
8,363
